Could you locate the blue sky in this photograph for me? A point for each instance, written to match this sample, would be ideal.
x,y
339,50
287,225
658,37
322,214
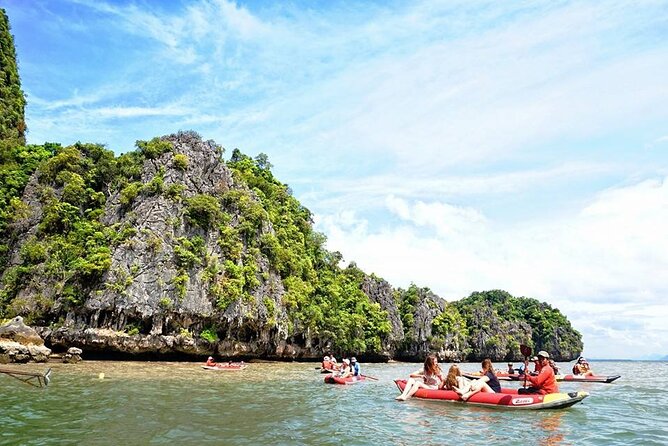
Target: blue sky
x,y
459,145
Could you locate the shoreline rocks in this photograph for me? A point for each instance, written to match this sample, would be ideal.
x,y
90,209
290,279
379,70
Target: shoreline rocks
x,y
20,343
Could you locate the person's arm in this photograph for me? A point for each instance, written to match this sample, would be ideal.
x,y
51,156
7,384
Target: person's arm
x,y
417,374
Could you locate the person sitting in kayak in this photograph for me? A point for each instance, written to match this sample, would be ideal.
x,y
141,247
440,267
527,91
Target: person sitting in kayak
x,y
537,366
488,382
511,370
327,364
210,362
545,382
582,368
430,377
355,366
345,370
553,365
455,381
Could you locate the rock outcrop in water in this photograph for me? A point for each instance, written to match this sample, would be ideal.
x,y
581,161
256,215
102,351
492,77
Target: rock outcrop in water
x,y
21,343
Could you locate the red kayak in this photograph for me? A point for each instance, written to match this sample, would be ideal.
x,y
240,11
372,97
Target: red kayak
x,y
588,379
234,366
574,378
333,379
507,399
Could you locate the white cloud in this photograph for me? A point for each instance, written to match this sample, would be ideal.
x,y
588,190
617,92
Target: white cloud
x,y
133,112
446,219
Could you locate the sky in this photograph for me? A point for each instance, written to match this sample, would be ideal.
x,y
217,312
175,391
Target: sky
x,y
459,145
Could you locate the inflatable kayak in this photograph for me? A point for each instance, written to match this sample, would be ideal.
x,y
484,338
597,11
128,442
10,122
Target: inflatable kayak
x,y
507,399
588,379
235,366
559,378
332,379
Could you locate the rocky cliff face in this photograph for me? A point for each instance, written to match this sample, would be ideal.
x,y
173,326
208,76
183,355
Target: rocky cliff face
x,y
180,257
147,302
381,292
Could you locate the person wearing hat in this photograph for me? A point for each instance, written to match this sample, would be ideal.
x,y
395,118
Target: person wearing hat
x,y
345,370
327,364
210,362
355,366
511,370
581,367
545,382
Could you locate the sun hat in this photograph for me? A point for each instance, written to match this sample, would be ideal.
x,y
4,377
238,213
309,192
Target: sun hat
x,y
347,361
543,354
510,363
210,357
534,358
353,359
326,358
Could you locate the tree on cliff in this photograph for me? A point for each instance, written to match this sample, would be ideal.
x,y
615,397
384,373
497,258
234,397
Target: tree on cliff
x,y
12,101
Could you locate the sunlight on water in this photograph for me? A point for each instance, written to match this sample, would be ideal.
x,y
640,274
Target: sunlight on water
x,y
166,403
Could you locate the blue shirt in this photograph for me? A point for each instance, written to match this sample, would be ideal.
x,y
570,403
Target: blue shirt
x,y
356,369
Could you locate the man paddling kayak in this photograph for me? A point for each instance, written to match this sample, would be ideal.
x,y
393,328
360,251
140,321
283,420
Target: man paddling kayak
x,y
545,382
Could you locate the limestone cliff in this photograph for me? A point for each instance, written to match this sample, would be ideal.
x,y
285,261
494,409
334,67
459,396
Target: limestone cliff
x,y
170,251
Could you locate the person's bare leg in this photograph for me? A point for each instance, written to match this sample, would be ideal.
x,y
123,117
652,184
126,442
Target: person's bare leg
x,y
409,385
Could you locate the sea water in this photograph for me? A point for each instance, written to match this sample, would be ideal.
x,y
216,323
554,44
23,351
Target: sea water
x,y
177,403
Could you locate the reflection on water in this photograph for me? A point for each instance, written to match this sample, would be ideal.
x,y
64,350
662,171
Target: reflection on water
x,y
165,403
550,426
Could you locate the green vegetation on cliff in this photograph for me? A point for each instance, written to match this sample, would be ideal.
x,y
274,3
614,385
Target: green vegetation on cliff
x,y
66,258
323,300
12,101
72,248
498,323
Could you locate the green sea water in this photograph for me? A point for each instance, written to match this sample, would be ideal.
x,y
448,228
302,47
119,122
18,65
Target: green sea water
x,y
177,403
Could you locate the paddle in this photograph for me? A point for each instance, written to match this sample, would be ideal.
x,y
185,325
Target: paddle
x,y
526,352
370,377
